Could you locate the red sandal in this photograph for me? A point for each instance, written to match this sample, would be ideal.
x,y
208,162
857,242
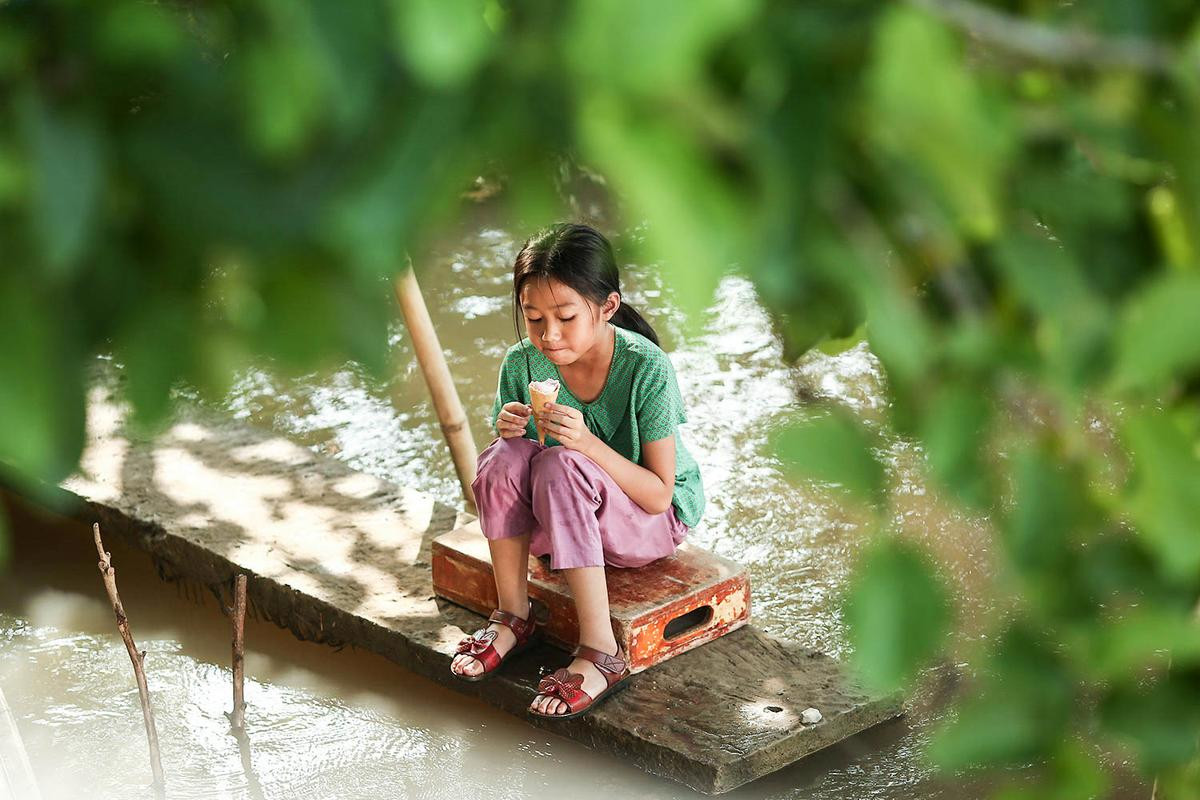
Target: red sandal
x,y
567,686
479,645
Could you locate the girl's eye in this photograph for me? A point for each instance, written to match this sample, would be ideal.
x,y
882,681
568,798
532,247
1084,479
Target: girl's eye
x,y
566,319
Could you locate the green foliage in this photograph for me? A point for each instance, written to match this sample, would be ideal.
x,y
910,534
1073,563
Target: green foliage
x,y
1159,720
897,611
1011,218
1162,499
442,41
66,162
934,123
1160,332
834,448
1019,710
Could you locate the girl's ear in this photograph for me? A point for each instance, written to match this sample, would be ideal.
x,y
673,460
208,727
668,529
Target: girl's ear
x,y
611,304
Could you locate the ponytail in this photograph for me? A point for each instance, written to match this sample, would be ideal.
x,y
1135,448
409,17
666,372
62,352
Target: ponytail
x,y
628,318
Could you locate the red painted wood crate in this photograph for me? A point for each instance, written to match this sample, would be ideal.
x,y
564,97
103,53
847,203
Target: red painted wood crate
x,y
658,611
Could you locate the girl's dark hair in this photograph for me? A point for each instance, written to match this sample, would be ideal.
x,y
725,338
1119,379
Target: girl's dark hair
x,y
578,256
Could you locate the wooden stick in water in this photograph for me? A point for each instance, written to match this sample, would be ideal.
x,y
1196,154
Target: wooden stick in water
x,y
110,584
441,385
239,653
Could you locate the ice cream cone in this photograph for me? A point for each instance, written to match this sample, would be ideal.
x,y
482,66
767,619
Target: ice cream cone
x,y
540,393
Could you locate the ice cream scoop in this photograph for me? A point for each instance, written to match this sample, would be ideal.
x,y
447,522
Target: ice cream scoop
x,y
540,393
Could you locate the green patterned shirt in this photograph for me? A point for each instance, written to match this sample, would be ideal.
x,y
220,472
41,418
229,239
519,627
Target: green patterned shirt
x,y
639,403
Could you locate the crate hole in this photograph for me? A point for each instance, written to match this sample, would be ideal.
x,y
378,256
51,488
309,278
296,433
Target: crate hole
x,y
686,623
774,709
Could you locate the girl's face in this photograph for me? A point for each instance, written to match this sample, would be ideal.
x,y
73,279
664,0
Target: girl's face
x,y
561,322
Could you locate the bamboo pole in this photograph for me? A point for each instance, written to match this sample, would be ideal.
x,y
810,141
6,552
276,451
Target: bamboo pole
x,y
437,377
110,584
238,717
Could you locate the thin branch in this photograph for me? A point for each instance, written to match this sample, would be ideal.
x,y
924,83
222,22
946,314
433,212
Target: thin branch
x,y
110,584
238,717
1048,44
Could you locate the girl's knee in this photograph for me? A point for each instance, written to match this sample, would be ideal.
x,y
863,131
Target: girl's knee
x,y
506,455
556,459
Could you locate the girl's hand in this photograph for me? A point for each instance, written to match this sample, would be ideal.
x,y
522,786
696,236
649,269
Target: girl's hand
x,y
513,419
566,425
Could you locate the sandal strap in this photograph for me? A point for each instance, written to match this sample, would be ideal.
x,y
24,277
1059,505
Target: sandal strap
x,y
567,687
479,646
521,628
610,666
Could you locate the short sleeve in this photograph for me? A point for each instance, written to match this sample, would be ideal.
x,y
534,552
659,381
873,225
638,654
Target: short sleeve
x,y
509,389
660,404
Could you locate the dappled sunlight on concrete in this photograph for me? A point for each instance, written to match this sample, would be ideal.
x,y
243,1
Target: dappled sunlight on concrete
x,y
271,507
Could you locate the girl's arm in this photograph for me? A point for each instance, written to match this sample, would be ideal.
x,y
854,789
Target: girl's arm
x,y
652,486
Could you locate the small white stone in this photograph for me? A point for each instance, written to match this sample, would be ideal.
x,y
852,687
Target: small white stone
x,y
810,716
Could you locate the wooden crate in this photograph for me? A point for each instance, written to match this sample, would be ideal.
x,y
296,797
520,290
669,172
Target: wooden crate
x,y
658,611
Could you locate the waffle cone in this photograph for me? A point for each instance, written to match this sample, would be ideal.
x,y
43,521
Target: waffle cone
x,y
538,400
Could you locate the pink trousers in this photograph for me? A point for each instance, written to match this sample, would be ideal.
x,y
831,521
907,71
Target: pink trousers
x,y
575,511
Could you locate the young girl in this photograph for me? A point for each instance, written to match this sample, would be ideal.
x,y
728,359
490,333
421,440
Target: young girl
x,y
612,485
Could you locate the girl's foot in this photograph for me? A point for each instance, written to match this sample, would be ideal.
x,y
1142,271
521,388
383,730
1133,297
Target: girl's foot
x,y
464,664
593,683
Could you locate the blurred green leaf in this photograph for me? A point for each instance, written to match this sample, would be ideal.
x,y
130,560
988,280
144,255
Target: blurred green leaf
x,y
15,49
897,613
649,47
375,218
1115,570
1182,781
1070,773
1075,773
131,32
926,106
695,227
953,434
1048,281
833,448
1159,720
314,316
354,39
1141,638
812,305
1162,497
1172,229
986,731
1018,710
157,347
68,169
443,41
13,176
42,386
284,91
1044,512
1159,335
897,329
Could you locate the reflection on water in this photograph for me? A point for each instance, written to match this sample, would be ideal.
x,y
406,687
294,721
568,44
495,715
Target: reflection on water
x,y
345,724
320,723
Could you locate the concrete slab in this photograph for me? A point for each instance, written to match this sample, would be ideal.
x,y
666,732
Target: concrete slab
x,y
341,557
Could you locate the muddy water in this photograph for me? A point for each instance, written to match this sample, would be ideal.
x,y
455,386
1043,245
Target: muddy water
x,y
348,724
